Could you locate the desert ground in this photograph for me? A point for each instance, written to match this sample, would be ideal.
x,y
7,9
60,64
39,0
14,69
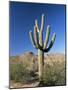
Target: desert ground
x,y
24,70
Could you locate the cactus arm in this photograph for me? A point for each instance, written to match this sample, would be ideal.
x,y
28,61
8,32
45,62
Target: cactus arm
x,y
36,36
42,22
32,39
36,24
51,43
41,31
47,37
41,38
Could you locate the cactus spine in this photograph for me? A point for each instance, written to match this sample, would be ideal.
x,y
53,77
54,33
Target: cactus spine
x,y
37,42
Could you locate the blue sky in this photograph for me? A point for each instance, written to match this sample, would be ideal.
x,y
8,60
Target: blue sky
x,y
22,20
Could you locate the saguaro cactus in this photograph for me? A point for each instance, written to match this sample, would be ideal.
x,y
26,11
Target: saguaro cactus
x,y
37,42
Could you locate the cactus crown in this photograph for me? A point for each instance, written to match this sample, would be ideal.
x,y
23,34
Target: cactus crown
x,y
37,40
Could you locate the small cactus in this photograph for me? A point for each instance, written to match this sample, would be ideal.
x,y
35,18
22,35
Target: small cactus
x,y
37,42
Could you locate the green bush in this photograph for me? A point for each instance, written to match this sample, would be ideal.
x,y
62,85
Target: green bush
x,y
19,73
27,71
54,74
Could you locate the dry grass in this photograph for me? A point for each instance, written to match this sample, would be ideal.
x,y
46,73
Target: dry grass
x,y
24,69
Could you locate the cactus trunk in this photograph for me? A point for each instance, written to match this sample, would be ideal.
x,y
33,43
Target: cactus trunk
x,y
40,64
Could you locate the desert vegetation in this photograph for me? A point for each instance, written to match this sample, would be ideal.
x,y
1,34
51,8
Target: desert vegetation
x,y
24,70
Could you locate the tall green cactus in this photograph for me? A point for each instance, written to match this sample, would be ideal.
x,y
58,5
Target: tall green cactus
x,y
37,42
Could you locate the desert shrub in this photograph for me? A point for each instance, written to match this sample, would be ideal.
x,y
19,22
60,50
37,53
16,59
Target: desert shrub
x,y
19,73
54,74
